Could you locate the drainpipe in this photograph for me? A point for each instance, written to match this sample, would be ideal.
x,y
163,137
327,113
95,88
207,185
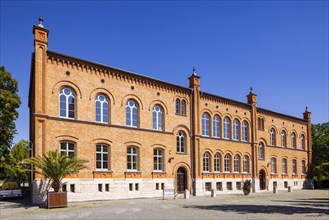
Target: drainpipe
x,y
192,143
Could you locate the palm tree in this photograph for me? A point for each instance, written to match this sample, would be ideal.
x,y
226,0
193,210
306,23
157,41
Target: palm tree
x,y
56,166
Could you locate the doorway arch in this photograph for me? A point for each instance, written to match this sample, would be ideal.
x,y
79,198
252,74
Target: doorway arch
x,y
181,180
262,180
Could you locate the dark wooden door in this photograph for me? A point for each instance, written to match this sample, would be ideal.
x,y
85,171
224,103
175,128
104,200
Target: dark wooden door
x,y
262,180
181,180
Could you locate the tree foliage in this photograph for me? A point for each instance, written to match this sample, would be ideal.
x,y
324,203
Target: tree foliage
x,y
12,165
9,102
56,166
320,161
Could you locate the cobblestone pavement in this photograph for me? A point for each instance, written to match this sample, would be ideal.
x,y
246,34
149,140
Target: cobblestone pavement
x,y
300,204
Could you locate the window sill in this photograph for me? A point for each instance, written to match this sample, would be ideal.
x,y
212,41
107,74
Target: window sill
x,y
133,174
181,153
102,171
159,172
132,171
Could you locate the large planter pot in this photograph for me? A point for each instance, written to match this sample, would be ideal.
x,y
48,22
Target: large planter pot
x,y
57,199
246,191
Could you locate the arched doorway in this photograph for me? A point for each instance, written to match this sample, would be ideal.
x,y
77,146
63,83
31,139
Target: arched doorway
x,y
181,180
262,180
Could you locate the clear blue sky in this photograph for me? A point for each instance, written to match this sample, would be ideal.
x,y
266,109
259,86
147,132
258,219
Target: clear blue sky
x,y
278,47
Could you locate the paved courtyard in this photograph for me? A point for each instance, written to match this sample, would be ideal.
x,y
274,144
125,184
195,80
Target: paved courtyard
x,y
300,204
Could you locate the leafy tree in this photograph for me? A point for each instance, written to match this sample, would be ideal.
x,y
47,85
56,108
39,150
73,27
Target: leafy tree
x,y
9,102
56,166
12,165
320,136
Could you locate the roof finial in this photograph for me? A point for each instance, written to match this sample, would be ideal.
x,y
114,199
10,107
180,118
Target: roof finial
x,y
250,89
194,73
306,109
40,22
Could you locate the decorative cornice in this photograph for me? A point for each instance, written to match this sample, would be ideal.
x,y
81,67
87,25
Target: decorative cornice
x,y
280,115
225,101
115,73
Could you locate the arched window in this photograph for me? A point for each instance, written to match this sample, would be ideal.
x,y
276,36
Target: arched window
x,y
293,140
102,157
246,164
67,148
284,166
217,162
102,109
177,106
183,107
180,142
131,114
158,160
227,125
273,165
227,163
244,131
132,159
294,166
302,142
237,163
303,167
261,151
206,162
272,137
260,123
205,124
67,103
283,139
216,126
157,118
236,129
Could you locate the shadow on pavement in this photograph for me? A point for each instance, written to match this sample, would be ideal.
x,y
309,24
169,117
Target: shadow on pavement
x,y
268,209
314,202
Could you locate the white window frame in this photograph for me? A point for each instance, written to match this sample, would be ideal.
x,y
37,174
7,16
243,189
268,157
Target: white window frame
x,y
157,117
158,156
261,151
205,124
102,153
293,140
130,110
227,163
133,158
180,142
237,160
236,129
103,112
217,162
227,125
294,166
245,131
206,162
67,151
273,165
272,137
283,139
246,164
216,126
284,166
302,142
67,108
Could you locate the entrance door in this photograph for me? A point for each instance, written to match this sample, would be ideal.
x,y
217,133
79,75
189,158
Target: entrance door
x,y
262,180
181,180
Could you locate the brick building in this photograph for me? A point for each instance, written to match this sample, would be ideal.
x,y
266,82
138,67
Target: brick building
x,y
141,134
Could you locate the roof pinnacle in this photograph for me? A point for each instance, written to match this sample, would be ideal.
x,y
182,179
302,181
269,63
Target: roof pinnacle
x,y
40,22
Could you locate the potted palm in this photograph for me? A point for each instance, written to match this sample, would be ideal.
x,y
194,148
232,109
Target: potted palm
x,y
246,187
56,166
